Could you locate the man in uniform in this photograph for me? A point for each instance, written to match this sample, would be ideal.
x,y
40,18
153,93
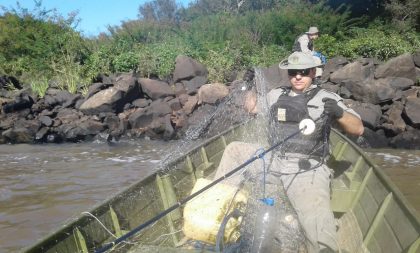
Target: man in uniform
x,y
305,43
299,164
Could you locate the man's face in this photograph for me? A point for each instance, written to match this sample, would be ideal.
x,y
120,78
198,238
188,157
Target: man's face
x,y
313,36
301,79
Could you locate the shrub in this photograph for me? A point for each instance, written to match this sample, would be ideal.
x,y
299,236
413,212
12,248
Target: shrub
x,y
31,42
125,62
379,42
220,63
40,86
267,55
98,62
158,59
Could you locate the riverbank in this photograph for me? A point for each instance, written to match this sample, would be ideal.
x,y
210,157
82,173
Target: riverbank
x,y
386,95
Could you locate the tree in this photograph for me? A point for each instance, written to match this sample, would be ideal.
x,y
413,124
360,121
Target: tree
x,y
35,42
405,13
210,7
159,10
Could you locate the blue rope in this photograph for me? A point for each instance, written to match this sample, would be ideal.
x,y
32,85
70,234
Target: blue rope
x,y
260,153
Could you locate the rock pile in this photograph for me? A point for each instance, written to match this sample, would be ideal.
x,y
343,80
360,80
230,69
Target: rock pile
x,y
386,95
122,105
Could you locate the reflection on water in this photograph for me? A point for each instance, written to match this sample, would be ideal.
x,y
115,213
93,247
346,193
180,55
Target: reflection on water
x,y
403,167
43,186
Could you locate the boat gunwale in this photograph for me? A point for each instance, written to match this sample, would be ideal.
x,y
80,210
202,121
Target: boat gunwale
x,y
391,186
103,207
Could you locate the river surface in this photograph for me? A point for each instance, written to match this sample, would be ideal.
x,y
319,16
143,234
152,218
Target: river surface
x,y
403,166
44,186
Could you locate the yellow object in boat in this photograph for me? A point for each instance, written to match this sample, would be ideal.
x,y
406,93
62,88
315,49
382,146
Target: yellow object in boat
x,y
204,214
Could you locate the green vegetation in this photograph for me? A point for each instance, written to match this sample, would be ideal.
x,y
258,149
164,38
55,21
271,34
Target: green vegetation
x,y
42,45
43,49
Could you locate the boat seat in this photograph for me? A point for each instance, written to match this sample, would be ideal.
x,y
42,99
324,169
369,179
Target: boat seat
x,y
350,236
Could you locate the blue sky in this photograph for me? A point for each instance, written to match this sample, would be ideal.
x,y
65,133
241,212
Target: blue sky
x,y
95,15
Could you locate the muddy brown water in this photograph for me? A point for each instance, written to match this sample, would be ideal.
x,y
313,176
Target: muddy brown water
x,y
44,186
403,166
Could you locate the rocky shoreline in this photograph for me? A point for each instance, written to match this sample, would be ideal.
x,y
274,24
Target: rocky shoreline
x,y
386,95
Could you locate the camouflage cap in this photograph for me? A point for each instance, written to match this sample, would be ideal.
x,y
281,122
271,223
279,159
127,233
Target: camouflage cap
x,y
299,60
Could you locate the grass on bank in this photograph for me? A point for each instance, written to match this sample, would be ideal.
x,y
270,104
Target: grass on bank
x,y
43,50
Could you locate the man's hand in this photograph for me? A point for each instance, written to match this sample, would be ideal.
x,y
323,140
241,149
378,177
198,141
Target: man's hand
x,y
332,109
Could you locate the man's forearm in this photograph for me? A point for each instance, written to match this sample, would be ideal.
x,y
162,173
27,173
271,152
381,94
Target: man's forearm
x,y
351,124
250,103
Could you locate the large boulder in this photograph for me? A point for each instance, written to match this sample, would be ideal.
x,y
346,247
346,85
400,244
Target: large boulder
x,y
412,111
23,131
159,108
54,97
411,93
191,86
113,99
212,93
96,87
358,71
128,84
369,113
45,120
155,89
109,100
374,139
416,59
161,128
187,68
407,140
114,125
140,118
333,65
398,83
18,135
400,66
68,116
143,117
174,103
22,101
141,102
199,121
394,122
372,91
190,104
273,77
330,87
82,129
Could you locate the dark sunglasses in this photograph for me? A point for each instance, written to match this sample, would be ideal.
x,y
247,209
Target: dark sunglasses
x,y
302,72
